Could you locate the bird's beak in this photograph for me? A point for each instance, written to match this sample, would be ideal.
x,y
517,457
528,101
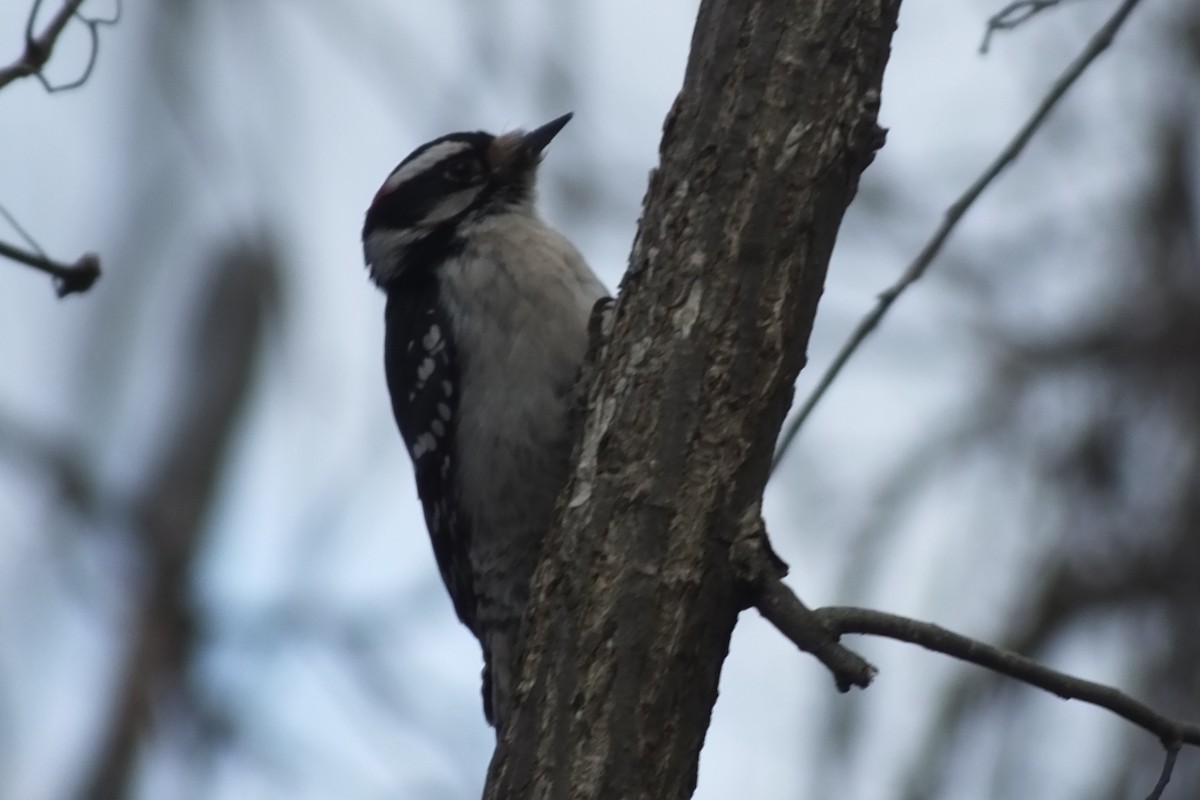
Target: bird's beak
x,y
534,142
515,153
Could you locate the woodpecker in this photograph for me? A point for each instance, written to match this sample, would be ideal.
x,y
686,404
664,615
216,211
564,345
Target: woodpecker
x,y
486,326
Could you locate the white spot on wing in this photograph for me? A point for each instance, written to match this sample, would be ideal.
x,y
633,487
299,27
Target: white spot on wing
x,y
424,371
425,444
433,339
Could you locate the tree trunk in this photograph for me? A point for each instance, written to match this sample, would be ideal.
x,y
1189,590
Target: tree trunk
x,y
643,578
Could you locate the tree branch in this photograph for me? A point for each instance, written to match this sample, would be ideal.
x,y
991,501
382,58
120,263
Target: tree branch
x,y
817,632
1013,16
1170,754
841,620
782,608
1171,732
39,48
1099,42
68,278
761,572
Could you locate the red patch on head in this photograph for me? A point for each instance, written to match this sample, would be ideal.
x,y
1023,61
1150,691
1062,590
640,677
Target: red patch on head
x,y
382,191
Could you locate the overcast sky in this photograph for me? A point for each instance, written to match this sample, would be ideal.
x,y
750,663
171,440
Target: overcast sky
x,y
287,116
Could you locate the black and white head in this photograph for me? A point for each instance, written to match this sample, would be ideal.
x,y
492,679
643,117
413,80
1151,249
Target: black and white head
x,y
432,198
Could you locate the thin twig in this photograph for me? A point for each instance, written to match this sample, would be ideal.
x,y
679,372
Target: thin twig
x,y
782,608
39,47
20,229
842,620
92,23
817,632
1164,777
1172,733
761,571
68,278
1013,16
1100,42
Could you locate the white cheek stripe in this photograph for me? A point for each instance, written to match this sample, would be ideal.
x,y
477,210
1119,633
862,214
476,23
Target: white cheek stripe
x,y
439,152
381,247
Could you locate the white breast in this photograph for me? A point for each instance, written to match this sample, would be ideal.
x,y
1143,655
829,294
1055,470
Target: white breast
x,y
519,298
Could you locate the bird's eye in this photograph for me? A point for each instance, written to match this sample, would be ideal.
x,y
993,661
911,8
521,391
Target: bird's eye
x,y
459,172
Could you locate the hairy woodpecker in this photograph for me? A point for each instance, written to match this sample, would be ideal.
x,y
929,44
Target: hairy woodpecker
x,y
486,327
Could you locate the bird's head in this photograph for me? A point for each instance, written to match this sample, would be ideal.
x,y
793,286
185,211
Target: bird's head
x,y
419,214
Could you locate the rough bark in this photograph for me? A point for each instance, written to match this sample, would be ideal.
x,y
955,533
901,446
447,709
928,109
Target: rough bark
x,y
643,578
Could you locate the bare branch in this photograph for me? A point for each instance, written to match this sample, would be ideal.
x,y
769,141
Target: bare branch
x,y
1172,752
1099,42
1012,16
92,23
39,47
1171,732
817,632
761,571
20,229
782,608
68,278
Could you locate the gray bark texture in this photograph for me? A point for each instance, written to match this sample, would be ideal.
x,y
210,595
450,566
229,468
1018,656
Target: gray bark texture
x,y
659,538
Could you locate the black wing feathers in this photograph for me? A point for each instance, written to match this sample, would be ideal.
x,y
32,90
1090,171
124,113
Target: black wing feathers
x,y
419,359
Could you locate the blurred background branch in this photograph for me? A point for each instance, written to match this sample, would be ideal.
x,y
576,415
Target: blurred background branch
x,y
168,515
